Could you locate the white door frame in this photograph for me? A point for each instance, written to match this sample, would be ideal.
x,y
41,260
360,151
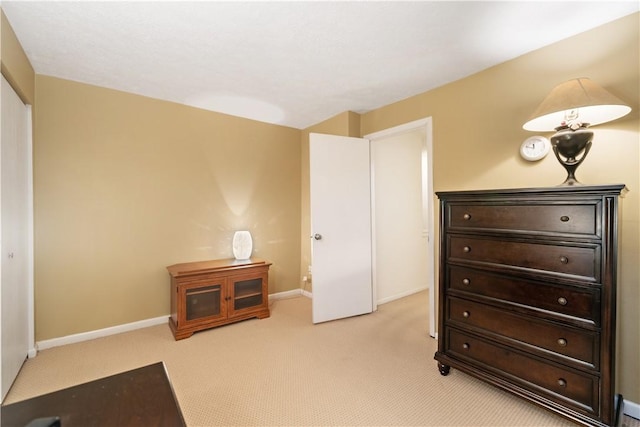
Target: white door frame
x,y
31,315
427,207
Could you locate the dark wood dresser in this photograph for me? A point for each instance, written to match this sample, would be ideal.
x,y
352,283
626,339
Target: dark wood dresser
x,y
527,294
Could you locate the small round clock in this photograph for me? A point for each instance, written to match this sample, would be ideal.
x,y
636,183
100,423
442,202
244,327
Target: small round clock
x,y
535,148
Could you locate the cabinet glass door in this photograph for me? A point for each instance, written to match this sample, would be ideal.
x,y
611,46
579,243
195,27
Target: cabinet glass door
x,y
247,293
203,302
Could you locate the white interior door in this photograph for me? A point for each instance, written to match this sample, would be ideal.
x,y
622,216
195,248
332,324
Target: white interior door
x,y
15,231
340,190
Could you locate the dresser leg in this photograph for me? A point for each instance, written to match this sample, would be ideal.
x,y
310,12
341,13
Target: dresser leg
x,y
619,410
444,369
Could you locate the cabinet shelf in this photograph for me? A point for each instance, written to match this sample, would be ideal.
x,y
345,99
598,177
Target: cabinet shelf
x,y
202,291
207,294
248,295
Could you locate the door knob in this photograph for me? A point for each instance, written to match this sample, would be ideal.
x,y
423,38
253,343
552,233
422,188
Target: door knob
x,y
317,236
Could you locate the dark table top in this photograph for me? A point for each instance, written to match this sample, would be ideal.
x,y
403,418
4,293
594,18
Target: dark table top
x,y
140,397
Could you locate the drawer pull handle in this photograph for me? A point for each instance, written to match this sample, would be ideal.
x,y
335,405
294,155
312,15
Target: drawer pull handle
x,y
466,346
466,249
564,260
562,342
466,281
466,216
564,218
562,382
562,301
466,314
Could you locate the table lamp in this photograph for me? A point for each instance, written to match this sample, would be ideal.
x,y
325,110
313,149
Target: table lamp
x,y
569,109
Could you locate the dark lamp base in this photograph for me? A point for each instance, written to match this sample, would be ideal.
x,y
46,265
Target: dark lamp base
x,y
567,145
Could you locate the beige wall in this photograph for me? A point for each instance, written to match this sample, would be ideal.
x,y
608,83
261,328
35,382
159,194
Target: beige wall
x,y
127,185
15,66
477,131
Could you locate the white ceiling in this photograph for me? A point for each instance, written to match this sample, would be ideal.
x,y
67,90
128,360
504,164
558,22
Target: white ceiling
x,y
291,63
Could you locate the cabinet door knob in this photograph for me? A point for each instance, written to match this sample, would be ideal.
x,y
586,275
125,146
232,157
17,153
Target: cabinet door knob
x,y
562,382
466,314
562,342
562,301
564,260
466,281
466,346
466,249
564,218
466,216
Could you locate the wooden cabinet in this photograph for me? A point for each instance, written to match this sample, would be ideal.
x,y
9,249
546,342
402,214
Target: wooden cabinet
x,y
212,293
527,294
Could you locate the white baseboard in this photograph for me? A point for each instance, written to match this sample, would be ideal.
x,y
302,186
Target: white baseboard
x,y
290,294
32,352
631,409
401,295
284,295
86,336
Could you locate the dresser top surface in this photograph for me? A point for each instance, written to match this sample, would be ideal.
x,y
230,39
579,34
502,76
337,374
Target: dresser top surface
x,y
559,191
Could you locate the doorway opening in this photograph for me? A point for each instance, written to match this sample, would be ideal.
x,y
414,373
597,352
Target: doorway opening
x,y
402,213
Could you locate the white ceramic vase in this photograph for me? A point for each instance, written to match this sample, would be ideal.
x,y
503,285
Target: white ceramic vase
x,y
242,245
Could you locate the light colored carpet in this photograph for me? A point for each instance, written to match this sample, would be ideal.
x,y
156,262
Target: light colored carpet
x,y
373,370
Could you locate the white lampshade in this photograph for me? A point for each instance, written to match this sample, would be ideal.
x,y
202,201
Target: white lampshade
x,y
242,245
578,100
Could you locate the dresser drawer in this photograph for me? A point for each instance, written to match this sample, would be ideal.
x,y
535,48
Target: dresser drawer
x,y
578,219
574,343
565,385
578,261
580,303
